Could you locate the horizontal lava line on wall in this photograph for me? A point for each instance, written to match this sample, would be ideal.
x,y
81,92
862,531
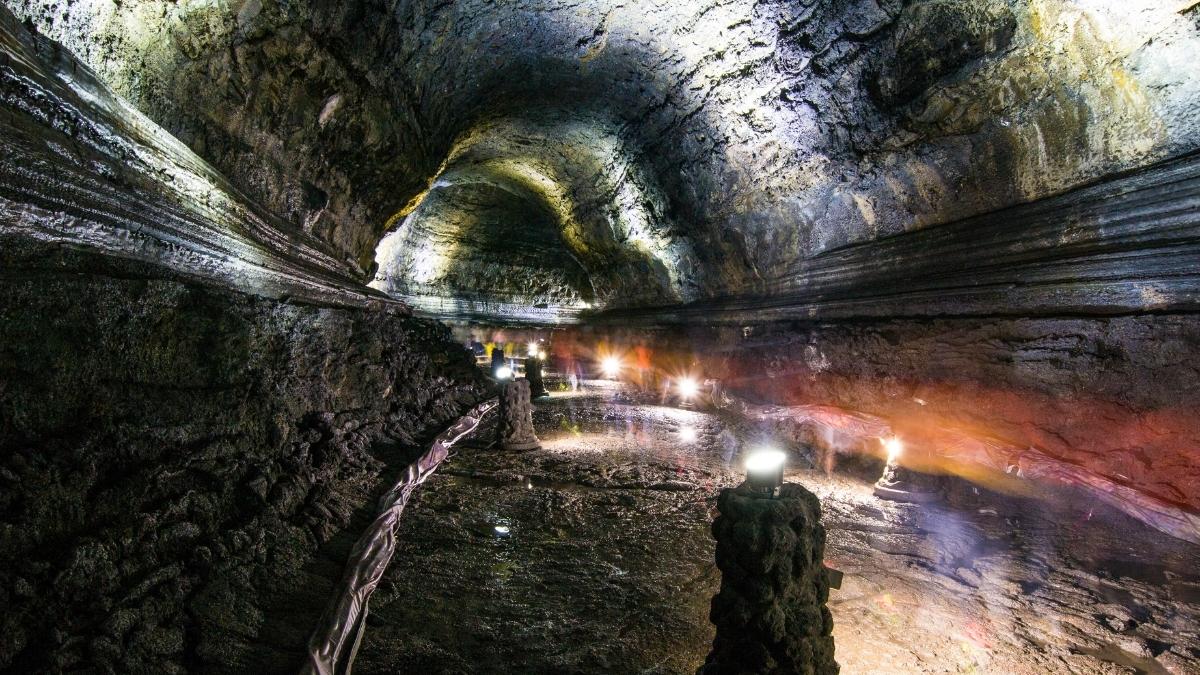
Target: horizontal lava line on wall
x,y
1124,245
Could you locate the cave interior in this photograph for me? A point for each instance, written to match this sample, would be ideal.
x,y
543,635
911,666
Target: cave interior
x,y
266,267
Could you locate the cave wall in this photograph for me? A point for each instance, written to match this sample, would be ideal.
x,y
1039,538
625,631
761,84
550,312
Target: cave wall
x,y
1105,409
1127,244
82,168
172,456
967,218
507,248
739,138
1116,396
194,401
1063,329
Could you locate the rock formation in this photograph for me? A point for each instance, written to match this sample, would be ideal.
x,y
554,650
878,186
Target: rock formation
x,y
1005,172
665,151
515,431
533,373
770,614
193,402
223,227
902,484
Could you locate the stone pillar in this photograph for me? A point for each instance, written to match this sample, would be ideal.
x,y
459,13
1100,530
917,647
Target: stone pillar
x,y
770,613
497,359
533,373
901,484
516,417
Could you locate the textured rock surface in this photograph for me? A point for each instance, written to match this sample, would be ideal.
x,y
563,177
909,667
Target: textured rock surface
x,y
760,161
193,402
172,456
495,242
515,431
836,164
83,168
1117,396
685,149
608,567
1129,244
770,613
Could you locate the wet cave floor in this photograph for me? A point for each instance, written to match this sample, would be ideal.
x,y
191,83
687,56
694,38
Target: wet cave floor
x,y
593,555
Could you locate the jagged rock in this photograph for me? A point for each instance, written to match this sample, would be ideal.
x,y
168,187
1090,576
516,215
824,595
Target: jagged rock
x,y
172,395
770,613
579,166
197,391
515,431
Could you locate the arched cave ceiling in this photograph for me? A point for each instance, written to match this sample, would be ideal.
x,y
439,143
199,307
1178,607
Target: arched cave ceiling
x,y
574,155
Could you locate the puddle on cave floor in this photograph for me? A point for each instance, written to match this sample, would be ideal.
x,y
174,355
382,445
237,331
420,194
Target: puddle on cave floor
x,y
602,563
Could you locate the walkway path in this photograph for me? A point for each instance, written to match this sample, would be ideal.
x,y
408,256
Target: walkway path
x,y
593,555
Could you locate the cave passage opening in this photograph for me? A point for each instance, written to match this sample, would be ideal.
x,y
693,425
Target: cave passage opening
x,y
543,217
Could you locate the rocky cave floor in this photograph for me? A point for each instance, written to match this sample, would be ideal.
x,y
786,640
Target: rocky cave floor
x,y
606,566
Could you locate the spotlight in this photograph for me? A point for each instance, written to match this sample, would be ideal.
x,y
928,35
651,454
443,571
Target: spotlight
x,y
533,349
764,471
688,388
901,484
541,355
687,433
502,530
894,447
504,373
611,366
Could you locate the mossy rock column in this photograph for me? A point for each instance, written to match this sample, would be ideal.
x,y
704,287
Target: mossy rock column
x,y
770,613
516,417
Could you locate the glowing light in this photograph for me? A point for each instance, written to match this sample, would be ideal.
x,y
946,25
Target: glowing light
x,y
611,366
765,460
541,355
687,433
688,387
894,447
533,349
504,373
764,471
502,530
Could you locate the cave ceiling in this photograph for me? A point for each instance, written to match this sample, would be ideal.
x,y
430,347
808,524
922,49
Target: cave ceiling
x,y
574,156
